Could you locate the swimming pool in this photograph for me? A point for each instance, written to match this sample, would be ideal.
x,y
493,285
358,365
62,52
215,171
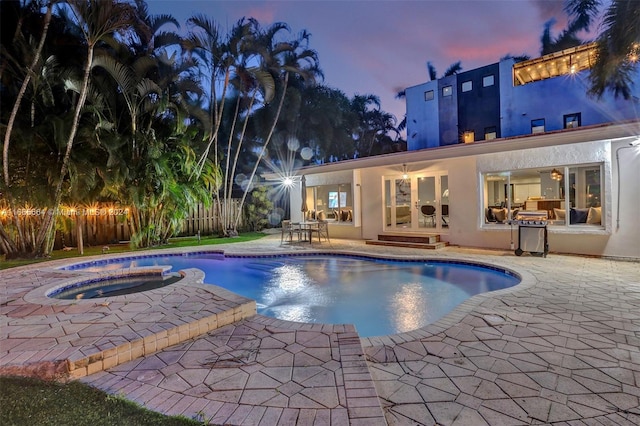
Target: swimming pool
x,y
378,296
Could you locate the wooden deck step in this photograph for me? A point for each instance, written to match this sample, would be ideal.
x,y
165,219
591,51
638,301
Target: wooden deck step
x,y
422,238
427,246
424,241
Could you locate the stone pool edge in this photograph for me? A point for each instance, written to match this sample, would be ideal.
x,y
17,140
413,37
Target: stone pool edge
x,y
80,362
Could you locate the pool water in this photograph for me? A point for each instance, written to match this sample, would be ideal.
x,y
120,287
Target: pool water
x,y
115,287
378,296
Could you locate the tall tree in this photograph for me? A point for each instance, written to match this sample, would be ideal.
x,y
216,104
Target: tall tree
x,y
618,50
618,42
28,78
37,57
373,124
281,60
98,22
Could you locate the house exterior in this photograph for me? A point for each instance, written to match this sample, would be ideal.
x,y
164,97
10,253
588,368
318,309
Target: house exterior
x,y
487,145
511,99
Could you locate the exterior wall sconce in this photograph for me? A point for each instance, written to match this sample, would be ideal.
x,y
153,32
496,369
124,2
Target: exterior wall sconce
x,y
556,175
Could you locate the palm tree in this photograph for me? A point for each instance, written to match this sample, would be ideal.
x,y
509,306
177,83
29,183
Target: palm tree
x,y
25,83
281,60
618,48
150,150
224,60
453,69
320,118
98,21
582,13
373,123
31,71
618,44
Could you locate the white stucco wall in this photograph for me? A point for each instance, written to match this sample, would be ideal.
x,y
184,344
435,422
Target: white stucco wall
x,y
625,238
464,165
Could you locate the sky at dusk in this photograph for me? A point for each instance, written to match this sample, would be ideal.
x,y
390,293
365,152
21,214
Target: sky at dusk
x,y
380,47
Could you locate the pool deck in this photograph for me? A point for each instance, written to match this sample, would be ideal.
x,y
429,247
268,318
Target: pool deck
x,y
561,348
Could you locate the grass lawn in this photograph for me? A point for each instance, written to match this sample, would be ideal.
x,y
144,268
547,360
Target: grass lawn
x,y
124,248
35,402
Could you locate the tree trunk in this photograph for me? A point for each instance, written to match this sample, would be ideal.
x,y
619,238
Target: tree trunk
x,y
23,89
48,222
7,242
21,245
79,235
235,160
264,148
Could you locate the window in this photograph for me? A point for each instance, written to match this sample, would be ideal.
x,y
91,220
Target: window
x,y
447,91
537,126
585,196
572,196
571,121
330,202
467,86
468,136
487,80
490,133
428,95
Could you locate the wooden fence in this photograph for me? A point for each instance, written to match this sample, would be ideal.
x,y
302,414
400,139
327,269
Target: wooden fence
x,y
103,225
206,220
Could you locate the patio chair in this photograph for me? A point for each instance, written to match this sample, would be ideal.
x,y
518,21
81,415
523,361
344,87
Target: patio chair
x,y
287,231
428,212
322,230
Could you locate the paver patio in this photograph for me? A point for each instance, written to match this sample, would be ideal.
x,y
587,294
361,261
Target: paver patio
x,y
561,348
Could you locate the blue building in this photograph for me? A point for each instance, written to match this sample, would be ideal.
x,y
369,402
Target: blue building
x,y
509,99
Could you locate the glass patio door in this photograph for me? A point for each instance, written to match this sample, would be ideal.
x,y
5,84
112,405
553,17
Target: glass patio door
x,y
419,202
432,201
398,212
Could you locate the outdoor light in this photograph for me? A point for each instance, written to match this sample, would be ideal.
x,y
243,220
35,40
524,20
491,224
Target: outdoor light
x,y
556,175
287,181
405,175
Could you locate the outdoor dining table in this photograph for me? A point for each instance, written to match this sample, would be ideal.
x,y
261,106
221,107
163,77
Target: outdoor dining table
x,y
306,227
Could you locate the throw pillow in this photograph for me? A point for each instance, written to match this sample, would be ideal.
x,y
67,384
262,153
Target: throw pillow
x,y
320,215
500,215
578,215
560,214
594,217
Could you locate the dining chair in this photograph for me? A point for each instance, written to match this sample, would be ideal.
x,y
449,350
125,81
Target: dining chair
x,y
429,212
287,231
322,230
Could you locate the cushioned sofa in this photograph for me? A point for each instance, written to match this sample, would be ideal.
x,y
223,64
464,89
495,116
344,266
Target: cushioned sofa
x,y
499,214
403,214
